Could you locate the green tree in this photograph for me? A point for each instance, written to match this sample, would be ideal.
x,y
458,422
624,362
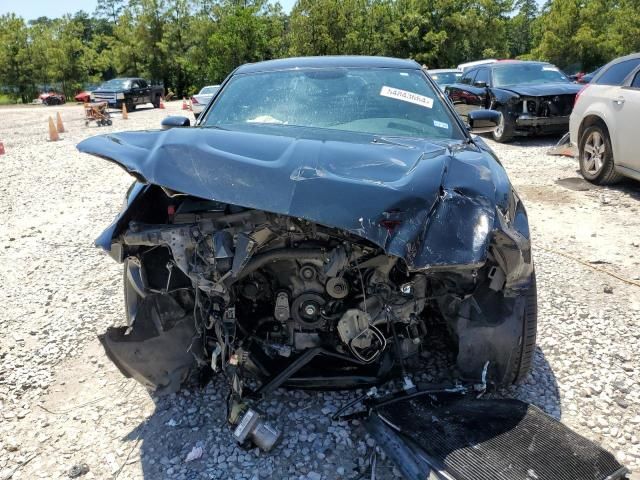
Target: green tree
x,y
520,28
16,70
240,36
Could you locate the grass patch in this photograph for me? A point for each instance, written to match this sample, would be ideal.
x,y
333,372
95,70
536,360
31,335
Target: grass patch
x,y
6,100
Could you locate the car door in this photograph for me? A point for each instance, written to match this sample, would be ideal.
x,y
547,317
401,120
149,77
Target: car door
x,y
627,105
135,92
144,95
481,85
460,94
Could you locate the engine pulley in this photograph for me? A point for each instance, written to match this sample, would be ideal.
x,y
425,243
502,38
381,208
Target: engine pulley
x,y
337,287
306,310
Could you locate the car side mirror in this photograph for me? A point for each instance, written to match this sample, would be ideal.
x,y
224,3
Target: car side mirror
x,y
480,84
483,121
175,121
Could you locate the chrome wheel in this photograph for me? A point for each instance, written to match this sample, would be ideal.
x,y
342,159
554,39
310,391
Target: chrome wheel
x,y
593,154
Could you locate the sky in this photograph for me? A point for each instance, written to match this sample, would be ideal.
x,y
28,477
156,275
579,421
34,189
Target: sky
x,y
31,9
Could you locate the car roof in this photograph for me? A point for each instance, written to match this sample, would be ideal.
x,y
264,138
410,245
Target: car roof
x,y
444,70
604,68
623,59
515,62
343,61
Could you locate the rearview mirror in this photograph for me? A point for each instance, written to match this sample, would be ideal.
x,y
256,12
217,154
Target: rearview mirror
x,y
480,84
483,121
175,121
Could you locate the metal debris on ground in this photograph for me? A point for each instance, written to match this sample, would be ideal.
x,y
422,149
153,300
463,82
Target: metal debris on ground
x,y
78,470
194,454
563,147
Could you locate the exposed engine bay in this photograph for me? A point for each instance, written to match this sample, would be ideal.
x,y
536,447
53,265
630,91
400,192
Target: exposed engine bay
x,y
263,287
252,294
551,106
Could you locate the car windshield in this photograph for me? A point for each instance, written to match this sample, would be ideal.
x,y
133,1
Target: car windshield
x,y
209,90
380,101
116,83
446,78
529,73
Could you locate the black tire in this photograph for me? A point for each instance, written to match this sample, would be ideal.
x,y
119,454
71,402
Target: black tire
x,y
130,106
156,102
523,361
596,156
109,122
504,132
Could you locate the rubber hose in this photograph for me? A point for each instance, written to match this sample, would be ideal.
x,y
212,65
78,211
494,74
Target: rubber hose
x,y
259,261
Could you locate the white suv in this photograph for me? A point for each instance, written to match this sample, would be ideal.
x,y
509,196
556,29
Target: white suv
x,y
603,123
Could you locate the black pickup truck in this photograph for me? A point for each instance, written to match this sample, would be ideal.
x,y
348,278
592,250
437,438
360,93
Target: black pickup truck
x,y
128,91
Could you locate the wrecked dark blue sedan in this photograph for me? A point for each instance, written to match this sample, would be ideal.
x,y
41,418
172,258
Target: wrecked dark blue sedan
x,y
331,223
320,225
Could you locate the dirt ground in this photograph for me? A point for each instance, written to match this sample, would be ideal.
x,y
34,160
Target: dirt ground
x,y
66,412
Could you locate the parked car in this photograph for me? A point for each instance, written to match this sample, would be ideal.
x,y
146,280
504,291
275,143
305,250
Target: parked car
x,y
476,63
52,98
533,97
587,77
84,95
128,91
445,76
199,101
603,123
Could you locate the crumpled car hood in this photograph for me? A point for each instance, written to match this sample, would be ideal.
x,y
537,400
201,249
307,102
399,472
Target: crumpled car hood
x,y
432,204
544,90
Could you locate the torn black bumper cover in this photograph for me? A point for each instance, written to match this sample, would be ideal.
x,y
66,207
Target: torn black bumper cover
x,y
469,439
161,350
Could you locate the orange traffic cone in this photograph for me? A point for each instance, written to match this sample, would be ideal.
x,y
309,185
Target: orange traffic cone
x,y
59,124
1,148
125,114
53,133
184,104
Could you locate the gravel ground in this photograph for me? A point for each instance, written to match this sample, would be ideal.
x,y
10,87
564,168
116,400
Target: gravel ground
x,y
65,411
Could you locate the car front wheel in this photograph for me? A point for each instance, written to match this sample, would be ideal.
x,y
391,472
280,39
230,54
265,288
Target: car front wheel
x,y
523,361
504,131
596,157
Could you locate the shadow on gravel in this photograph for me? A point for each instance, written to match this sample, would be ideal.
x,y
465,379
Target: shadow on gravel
x,y
627,187
537,141
311,441
540,388
311,444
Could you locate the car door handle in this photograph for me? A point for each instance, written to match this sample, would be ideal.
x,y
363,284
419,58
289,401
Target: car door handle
x,y
618,101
